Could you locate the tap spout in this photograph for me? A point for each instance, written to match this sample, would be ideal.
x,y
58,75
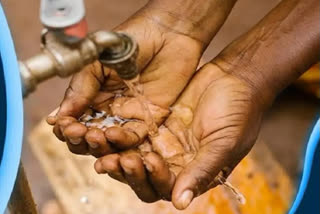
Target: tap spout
x,y
116,50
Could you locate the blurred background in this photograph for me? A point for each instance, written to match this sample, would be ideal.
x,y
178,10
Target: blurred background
x,y
284,129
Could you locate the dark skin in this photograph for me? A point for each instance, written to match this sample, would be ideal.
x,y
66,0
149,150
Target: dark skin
x,y
167,42
170,47
225,102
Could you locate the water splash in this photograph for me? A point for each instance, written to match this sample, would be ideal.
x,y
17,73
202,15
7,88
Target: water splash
x,y
102,120
239,196
84,199
137,90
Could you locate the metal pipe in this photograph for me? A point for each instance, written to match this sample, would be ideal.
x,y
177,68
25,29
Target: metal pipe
x,y
115,50
106,40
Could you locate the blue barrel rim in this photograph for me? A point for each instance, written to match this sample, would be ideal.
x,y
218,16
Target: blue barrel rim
x,y
14,123
309,162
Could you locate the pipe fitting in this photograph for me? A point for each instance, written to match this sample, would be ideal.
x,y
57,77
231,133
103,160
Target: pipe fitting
x,y
118,51
123,58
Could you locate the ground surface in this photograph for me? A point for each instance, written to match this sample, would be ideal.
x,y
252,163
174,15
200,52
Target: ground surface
x,y
284,129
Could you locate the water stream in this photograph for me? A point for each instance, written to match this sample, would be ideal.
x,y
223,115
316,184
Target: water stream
x,y
137,89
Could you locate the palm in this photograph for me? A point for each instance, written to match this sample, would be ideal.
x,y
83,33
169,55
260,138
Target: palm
x,y
224,127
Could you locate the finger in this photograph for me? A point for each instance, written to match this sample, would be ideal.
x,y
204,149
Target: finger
x,y
57,132
52,118
166,144
197,176
130,135
110,164
82,90
74,135
102,101
65,121
114,82
136,176
161,177
123,106
60,125
98,145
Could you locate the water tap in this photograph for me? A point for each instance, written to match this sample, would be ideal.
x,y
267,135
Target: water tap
x,y
66,47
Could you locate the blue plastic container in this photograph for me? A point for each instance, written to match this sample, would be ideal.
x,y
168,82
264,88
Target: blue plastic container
x,y
11,113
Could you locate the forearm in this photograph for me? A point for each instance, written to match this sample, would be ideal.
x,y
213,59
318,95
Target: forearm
x,y
199,19
277,50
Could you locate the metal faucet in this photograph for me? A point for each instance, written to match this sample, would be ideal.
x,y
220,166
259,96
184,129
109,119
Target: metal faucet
x,y
66,47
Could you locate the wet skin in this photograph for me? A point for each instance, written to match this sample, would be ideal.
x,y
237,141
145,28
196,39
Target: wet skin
x,y
212,125
170,49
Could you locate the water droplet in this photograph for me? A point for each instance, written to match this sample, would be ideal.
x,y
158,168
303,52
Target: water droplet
x,y
84,199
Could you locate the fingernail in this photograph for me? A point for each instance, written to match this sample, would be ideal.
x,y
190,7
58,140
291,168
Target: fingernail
x,y
128,171
98,167
75,141
185,199
148,166
54,112
93,145
51,120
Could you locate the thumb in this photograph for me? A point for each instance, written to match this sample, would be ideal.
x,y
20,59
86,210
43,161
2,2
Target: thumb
x,y
82,89
197,177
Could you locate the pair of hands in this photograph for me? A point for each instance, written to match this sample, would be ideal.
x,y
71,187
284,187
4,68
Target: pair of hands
x,y
215,116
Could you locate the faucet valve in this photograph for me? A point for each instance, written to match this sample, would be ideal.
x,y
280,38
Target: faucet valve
x,y
66,47
123,58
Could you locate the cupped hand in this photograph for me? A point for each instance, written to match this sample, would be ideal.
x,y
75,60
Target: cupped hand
x,y
212,127
167,59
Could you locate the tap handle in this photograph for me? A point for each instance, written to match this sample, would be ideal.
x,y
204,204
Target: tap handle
x,y
66,18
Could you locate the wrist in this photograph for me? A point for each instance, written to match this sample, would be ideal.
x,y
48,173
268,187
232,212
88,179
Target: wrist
x,y
261,89
277,50
199,20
